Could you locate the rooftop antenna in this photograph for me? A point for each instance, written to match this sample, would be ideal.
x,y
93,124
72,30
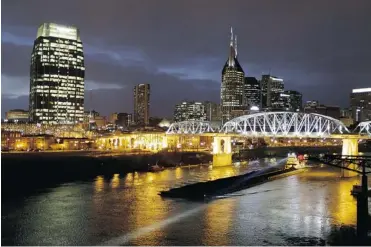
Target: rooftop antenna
x,y
235,45
231,43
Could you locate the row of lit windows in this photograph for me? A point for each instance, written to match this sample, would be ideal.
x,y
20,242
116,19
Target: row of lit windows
x,y
60,118
60,91
59,49
60,61
62,65
45,110
72,78
65,58
61,83
56,88
65,96
58,115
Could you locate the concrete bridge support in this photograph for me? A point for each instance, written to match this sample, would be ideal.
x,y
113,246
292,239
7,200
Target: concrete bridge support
x,y
222,151
350,147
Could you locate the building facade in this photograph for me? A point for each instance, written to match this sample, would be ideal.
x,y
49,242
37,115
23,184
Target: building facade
x,y
252,92
315,107
232,86
113,118
213,112
57,76
17,115
271,89
292,100
190,110
360,104
124,119
141,104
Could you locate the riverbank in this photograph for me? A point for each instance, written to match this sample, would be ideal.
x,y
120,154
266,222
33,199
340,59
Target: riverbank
x,y
24,173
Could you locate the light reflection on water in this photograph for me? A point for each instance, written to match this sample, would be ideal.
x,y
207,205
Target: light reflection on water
x,y
128,208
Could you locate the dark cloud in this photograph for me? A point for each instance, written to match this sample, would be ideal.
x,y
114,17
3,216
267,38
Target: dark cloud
x,y
319,47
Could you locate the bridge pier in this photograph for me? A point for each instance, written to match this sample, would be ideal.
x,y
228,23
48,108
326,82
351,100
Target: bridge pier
x,y
350,147
222,151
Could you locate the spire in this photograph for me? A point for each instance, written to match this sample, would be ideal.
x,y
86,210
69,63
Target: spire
x,y
232,51
235,45
231,43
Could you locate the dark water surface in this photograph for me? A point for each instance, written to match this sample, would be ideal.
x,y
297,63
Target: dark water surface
x,y
127,210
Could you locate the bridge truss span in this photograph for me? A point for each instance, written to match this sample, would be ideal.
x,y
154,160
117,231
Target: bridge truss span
x,y
285,124
364,128
190,127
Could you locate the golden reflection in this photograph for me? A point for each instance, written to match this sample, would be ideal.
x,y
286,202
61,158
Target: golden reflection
x,y
150,209
137,180
334,196
222,172
99,184
128,179
115,182
219,217
150,177
344,210
178,173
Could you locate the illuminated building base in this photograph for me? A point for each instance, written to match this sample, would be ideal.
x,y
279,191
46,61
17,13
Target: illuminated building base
x,y
222,159
350,147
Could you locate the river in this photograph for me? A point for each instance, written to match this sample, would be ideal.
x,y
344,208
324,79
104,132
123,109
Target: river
x,y
127,210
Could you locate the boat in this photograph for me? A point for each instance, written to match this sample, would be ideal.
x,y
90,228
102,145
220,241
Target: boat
x,y
155,168
293,162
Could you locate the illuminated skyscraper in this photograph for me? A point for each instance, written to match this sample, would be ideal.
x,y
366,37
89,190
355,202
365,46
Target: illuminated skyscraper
x,y
252,92
272,88
57,76
232,87
360,103
292,100
141,104
190,110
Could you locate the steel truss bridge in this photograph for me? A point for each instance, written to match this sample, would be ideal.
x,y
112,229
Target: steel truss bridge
x,y
274,124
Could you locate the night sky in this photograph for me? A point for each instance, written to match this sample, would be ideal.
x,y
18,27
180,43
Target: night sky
x,y
321,48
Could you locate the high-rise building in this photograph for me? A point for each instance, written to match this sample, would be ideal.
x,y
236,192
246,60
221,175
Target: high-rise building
x,y
190,110
57,76
292,100
272,88
360,104
232,87
141,104
212,111
124,119
252,93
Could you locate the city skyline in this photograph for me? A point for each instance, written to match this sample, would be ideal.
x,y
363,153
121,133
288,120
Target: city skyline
x,y
188,63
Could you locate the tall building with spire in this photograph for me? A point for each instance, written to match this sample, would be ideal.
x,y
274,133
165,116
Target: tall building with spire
x,y
232,87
